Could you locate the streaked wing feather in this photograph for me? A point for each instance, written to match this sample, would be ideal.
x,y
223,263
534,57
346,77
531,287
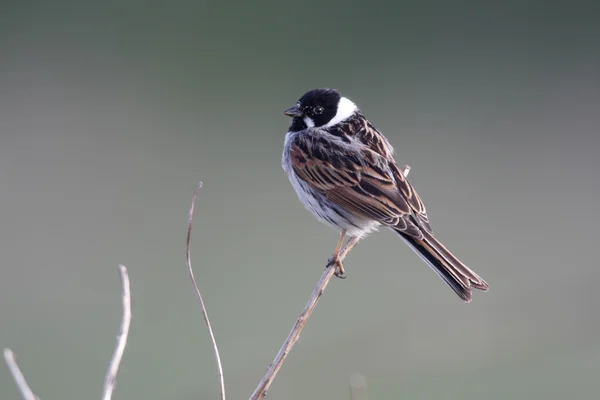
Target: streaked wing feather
x,y
368,189
412,198
364,132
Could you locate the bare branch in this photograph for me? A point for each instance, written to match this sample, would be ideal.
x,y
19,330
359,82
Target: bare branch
x,y
199,295
26,391
267,380
113,367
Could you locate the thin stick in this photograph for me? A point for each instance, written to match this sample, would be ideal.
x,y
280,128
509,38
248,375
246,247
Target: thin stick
x,y
26,391
406,170
113,368
267,380
199,296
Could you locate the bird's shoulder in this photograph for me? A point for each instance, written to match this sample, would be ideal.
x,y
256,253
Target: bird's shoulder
x,y
360,130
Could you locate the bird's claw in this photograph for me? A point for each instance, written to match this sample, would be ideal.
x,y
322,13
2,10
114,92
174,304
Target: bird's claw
x,y
339,268
339,274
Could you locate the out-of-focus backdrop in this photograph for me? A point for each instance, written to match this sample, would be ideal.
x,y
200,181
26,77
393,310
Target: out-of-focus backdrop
x,y
111,111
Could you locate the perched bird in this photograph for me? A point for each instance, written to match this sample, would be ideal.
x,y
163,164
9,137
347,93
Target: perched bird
x,y
344,172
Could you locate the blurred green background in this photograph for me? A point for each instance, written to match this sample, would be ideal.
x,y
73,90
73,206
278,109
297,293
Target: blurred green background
x,y
110,112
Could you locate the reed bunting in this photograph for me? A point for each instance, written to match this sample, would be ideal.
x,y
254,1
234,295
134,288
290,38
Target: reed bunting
x,y
343,171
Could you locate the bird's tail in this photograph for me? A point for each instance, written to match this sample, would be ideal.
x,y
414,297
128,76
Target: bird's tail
x,y
456,274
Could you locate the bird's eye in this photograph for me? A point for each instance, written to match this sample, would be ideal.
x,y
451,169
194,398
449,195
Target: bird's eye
x,y
319,110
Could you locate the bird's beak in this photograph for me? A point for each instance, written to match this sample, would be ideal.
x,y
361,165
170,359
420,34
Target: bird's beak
x,y
293,112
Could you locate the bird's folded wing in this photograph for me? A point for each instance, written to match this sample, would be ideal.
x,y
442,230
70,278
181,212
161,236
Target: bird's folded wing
x,y
360,181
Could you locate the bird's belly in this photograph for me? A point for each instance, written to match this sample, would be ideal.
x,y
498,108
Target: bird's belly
x,y
324,209
331,214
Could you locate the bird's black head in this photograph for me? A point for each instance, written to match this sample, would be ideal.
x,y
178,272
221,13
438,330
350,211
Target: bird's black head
x,y
318,108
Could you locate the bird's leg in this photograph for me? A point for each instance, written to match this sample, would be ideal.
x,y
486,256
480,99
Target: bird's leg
x,y
335,258
351,243
343,253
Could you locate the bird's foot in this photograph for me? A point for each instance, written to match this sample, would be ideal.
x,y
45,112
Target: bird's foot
x,y
339,268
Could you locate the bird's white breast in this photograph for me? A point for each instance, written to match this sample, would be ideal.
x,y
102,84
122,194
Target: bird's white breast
x,y
319,205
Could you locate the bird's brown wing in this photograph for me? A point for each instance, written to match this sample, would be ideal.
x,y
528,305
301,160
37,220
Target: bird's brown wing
x,y
412,198
376,141
360,130
357,179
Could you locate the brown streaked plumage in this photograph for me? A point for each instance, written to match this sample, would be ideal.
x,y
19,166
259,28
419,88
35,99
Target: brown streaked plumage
x,y
343,170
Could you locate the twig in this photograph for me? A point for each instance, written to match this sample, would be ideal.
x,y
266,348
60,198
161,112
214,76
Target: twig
x,y
113,367
267,380
202,306
406,170
26,391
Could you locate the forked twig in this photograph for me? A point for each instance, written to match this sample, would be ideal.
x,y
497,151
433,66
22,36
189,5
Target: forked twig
x,y
24,388
199,296
267,380
113,367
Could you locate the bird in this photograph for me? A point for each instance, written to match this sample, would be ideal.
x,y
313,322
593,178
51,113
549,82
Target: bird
x,y
344,172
